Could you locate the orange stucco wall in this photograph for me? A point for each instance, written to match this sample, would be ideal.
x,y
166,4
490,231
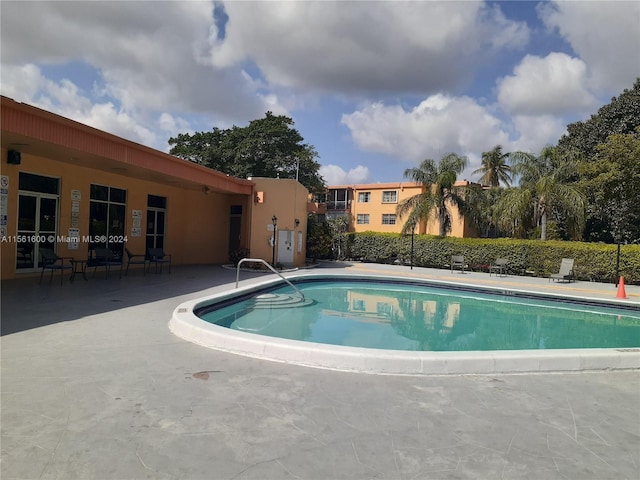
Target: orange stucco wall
x,y
375,208
197,223
287,200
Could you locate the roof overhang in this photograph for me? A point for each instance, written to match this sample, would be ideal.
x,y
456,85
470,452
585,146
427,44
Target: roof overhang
x,y
35,131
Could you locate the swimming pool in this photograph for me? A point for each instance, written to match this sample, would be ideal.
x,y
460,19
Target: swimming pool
x,y
392,325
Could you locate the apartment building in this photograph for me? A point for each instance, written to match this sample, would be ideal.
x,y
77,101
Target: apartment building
x,y
372,207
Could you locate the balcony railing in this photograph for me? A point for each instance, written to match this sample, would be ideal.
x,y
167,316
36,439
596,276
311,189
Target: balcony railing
x,y
339,205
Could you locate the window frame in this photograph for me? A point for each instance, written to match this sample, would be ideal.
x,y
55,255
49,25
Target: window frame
x,y
388,192
387,217
111,206
364,197
363,216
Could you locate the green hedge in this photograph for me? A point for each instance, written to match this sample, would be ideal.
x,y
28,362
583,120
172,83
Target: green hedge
x,y
593,261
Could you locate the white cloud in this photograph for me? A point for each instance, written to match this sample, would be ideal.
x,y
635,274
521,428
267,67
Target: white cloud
x,y
105,116
26,84
556,84
606,35
148,54
365,46
149,70
335,175
21,82
438,125
536,132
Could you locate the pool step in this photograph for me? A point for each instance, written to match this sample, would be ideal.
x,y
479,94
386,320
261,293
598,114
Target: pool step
x,y
280,300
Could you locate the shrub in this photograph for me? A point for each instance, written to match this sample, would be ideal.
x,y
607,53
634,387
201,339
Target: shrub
x,y
593,261
237,255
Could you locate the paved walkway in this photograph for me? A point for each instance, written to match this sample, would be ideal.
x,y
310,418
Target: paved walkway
x,y
95,386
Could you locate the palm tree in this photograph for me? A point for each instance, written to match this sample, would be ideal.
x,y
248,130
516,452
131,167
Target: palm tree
x,y
544,181
495,169
438,180
481,208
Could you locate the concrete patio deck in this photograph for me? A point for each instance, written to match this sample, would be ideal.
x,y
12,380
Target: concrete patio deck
x,y
95,386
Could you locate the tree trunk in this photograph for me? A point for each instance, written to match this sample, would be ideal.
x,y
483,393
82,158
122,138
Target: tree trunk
x,y
443,221
543,225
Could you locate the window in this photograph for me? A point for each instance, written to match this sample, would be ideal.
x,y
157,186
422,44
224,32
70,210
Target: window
x,y
388,218
384,308
107,208
37,183
389,196
358,305
156,201
363,219
364,197
338,199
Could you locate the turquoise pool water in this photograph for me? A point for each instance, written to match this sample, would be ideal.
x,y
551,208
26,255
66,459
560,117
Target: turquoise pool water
x,y
405,316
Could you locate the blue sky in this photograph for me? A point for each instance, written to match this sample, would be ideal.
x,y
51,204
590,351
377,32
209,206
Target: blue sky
x,y
375,86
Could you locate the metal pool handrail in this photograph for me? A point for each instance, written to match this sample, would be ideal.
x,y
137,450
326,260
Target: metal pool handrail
x,y
259,260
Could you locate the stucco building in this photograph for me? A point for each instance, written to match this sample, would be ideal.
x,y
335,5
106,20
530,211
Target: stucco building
x,y
72,188
372,207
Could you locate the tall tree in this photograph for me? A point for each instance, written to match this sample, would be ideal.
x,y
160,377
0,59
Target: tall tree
x,y
495,168
612,185
267,147
319,238
622,115
438,180
545,181
339,226
481,209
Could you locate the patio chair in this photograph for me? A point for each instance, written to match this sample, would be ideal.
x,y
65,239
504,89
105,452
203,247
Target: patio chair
x,y
457,261
51,261
25,252
566,271
499,266
135,259
158,257
103,257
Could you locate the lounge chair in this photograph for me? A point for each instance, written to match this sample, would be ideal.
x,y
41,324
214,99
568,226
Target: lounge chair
x,y
499,266
103,257
135,259
457,261
158,257
53,262
566,271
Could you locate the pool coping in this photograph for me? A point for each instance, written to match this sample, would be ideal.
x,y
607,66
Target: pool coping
x,y
186,325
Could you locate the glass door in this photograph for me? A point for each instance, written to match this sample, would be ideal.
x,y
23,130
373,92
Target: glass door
x,y
37,227
156,215
155,228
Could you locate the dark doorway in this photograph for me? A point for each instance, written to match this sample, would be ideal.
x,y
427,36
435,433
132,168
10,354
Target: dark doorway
x,y
235,228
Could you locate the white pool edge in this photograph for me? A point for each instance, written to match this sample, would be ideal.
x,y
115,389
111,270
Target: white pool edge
x,y
186,325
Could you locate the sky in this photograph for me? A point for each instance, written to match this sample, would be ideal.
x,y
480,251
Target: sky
x,y
375,86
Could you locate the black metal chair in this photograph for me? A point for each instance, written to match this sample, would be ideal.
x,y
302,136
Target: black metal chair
x,y
51,261
103,257
135,259
25,252
158,257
